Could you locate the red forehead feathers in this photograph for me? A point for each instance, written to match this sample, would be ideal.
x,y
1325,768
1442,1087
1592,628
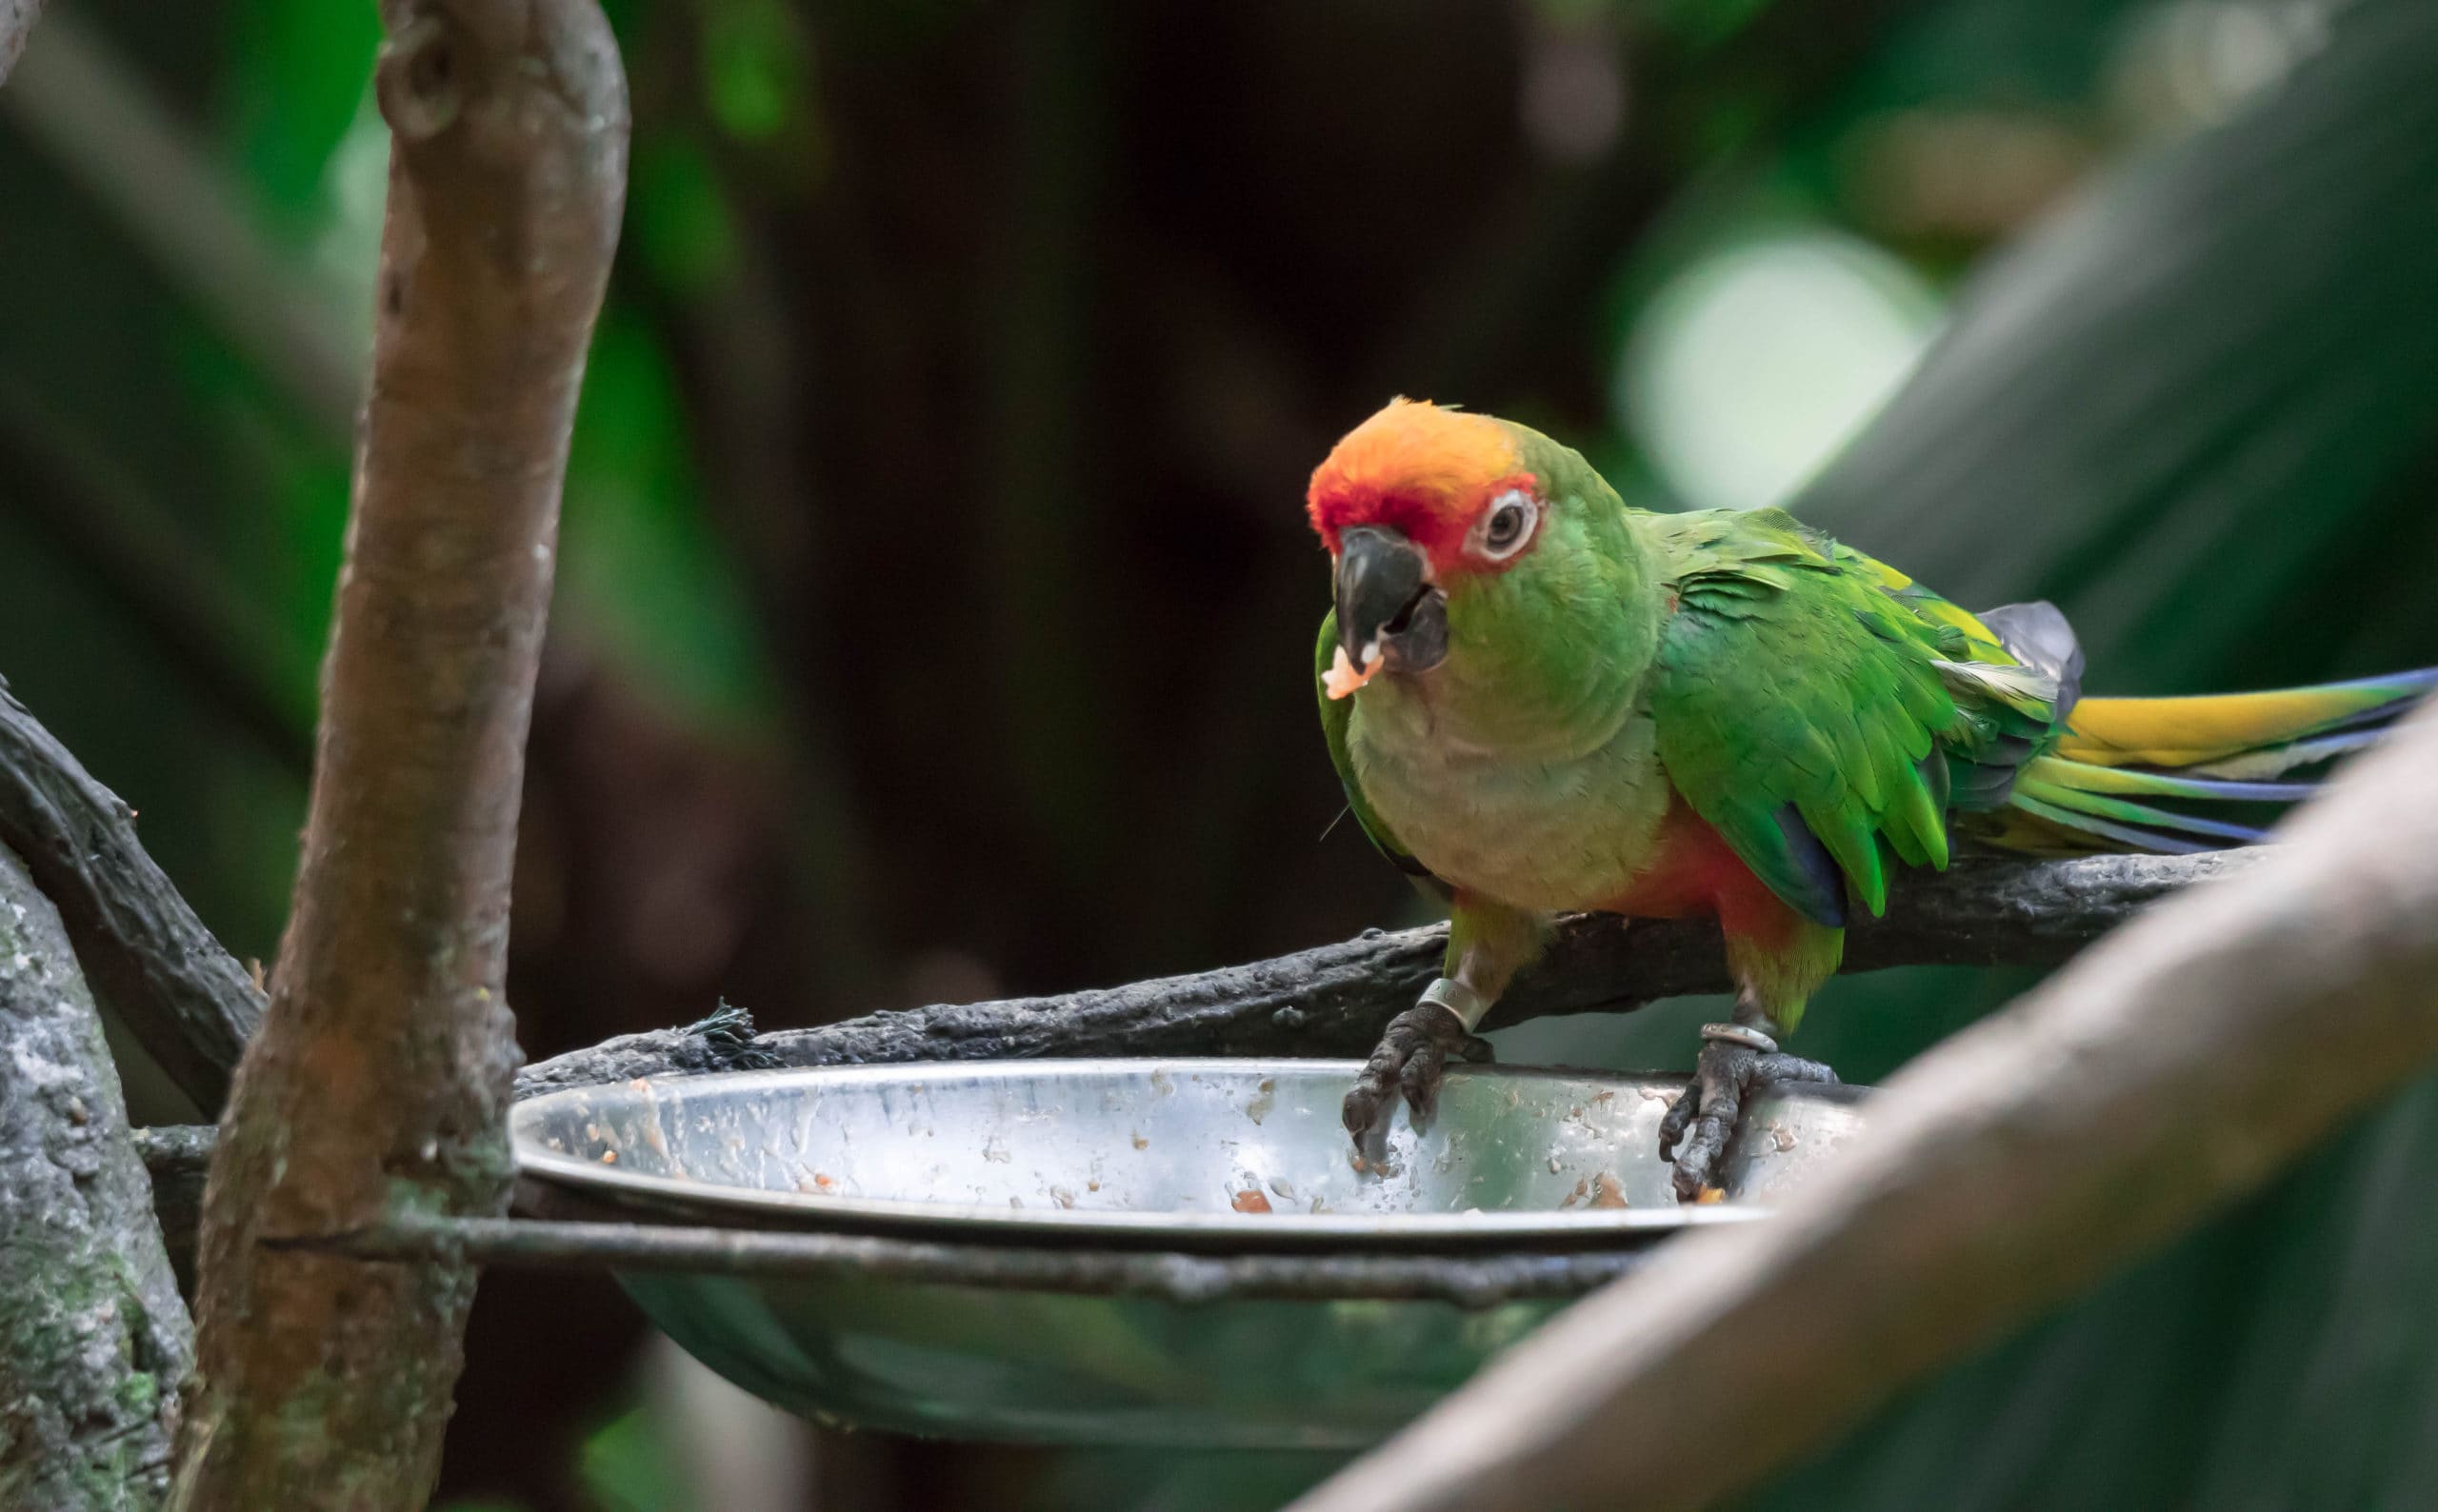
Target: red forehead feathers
x,y
1417,468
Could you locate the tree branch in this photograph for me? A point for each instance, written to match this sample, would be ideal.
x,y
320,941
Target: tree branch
x,y
2176,1065
94,1340
185,999
381,1077
1335,1000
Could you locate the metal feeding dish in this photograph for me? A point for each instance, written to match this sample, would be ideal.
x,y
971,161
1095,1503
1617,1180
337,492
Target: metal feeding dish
x,y
1121,1252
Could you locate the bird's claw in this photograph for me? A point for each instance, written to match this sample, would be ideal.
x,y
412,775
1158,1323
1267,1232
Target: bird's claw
x,y
1411,1057
1696,1132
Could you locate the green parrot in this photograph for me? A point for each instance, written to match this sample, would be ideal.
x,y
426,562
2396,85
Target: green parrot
x,y
1541,700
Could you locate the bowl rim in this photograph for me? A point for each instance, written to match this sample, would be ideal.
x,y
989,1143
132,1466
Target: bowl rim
x,y
760,1207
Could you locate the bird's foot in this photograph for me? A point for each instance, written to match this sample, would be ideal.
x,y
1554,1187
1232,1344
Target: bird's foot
x,y
1735,1061
1411,1057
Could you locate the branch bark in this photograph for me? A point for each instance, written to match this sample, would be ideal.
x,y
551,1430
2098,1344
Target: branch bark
x,y
380,1079
1335,1000
2176,1065
185,999
94,1340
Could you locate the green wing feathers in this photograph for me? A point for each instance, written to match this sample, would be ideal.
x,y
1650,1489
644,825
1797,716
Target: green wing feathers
x,y
1818,708
1335,712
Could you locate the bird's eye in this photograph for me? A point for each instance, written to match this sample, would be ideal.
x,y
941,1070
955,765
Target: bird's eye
x,y
1507,524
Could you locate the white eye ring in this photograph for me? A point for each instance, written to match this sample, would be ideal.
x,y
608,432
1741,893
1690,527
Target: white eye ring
x,y
1505,526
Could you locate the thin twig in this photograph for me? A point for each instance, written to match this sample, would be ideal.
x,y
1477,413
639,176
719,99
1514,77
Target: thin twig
x,y
1467,1280
2178,1064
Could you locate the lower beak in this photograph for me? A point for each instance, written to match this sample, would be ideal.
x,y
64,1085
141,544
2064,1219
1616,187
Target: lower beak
x,y
1387,607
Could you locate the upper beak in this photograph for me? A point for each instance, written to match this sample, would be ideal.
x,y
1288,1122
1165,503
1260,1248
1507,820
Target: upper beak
x,y
1386,606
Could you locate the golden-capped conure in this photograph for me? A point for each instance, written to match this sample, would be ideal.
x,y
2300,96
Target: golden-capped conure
x,y
1541,700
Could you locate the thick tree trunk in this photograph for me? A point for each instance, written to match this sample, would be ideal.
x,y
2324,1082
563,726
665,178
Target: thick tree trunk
x,y
94,1340
380,1079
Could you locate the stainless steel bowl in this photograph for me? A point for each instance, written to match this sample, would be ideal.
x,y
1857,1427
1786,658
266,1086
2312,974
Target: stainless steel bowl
x,y
1213,1158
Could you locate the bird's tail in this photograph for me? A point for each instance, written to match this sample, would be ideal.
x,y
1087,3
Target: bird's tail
x,y
2174,775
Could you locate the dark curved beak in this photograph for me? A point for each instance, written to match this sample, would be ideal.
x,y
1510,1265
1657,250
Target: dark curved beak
x,y
1386,602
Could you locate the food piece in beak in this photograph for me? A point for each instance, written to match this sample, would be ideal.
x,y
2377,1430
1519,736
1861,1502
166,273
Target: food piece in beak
x,y
1389,615
1343,678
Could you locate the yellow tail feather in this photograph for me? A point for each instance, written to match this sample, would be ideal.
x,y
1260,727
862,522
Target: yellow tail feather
x,y
2189,731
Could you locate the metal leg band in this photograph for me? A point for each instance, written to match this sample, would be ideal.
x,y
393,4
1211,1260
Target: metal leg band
x,y
1468,1006
1749,1038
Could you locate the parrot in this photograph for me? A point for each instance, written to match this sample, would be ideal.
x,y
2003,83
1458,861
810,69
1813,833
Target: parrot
x,y
1540,701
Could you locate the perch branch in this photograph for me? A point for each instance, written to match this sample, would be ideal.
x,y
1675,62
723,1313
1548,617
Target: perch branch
x,y
185,999
2176,1065
380,1079
1334,1000
94,1340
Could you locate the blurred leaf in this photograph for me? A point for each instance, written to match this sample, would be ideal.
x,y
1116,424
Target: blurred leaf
x,y
679,216
624,1468
754,68
297,71
639,566
1701,24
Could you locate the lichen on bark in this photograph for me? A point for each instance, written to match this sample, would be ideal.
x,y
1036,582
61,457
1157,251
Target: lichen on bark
x,y
94,1340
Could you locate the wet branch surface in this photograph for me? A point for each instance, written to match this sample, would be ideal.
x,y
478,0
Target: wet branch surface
x,y
2173,1067
381,1076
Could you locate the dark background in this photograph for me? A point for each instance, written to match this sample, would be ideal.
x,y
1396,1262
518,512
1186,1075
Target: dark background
x,y
935,601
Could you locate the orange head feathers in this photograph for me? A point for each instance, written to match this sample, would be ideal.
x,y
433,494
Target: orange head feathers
x,y
1421,471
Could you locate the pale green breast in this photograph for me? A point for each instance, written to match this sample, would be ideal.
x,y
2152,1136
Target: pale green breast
x,y
1549,830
